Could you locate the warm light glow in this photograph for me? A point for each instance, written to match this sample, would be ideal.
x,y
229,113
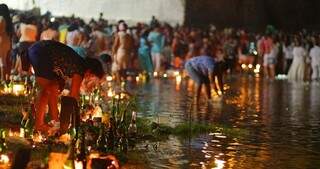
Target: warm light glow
x,y
256,70
32,70
165,75
258,66
155,74
176,73
18,89
250,66
4,159
78,165
86,98
243,66
255,52
178,79
219,164
10,133
52,19
137,79
109,78
22,133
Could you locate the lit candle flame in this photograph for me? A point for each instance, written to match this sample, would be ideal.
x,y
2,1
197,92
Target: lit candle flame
x,y
4,159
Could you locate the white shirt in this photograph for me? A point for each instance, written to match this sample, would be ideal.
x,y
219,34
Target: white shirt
x,y
299,54
315,55
288,51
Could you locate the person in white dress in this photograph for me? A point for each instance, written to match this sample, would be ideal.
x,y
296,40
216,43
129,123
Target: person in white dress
x,y
315,60
298,66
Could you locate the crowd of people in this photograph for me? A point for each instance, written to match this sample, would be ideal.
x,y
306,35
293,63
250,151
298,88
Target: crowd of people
x,y
156,47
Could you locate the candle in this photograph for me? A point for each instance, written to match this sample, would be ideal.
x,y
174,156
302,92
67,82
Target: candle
x,y
155,74
110,93
78,165
178,79
109,78
4,159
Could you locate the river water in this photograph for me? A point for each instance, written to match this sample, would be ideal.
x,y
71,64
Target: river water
x,y
282,120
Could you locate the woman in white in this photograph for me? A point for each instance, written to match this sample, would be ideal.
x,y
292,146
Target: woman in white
x,y
297,68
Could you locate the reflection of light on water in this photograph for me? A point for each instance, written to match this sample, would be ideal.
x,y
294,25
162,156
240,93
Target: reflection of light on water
x,y
219,164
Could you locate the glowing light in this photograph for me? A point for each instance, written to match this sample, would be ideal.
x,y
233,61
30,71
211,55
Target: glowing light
x,y
86,97
137,79
18,89
110,93
52,19
256,70
32,70
178,79
250,66
78,165
219,164
258,66
4,159
109,78
255,52
155,74
10,133
165,75
176,73
243,66
22,133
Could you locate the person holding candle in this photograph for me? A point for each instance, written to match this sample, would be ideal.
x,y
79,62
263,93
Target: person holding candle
x,y
54,63
203,69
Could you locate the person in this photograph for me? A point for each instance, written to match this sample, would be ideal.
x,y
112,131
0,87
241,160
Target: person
x,y
315,60
157,44
51,33
121,50
29,32
202,69
54,63
144,53
297,69
6,32
287,49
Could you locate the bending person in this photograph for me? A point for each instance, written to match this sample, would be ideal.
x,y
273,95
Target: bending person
x,y
53,64
203,69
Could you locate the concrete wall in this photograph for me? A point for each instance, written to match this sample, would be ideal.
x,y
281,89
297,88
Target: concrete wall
x,y
255,14
171,11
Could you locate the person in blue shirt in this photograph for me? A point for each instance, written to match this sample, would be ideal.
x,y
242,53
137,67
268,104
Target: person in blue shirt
x,y
203,69
157,41
144,53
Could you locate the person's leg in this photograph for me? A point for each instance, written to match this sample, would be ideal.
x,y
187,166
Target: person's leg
x,y
265,65
53,101
272,71
154,62
198,88
158,62
208,90
41,104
